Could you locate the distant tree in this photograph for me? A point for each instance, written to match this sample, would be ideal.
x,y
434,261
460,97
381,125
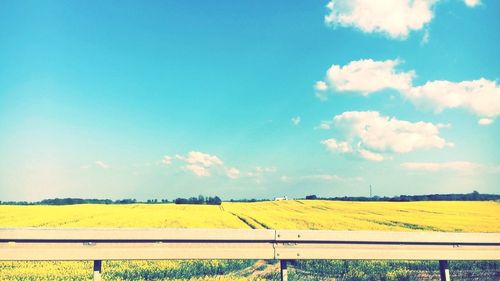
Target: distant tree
x,y
181,201
311,197
475,195
215,200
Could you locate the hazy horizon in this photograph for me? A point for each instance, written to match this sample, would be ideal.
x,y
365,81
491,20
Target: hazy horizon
x,y
103,99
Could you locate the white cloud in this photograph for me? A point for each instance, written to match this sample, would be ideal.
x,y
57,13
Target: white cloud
x,y
320,86
264,170
321,89
369,134
366,77
260,171
319,177
395,18
166,160
425,38
472,3
382,133
436,166
334,146
232,173
296,120
372,156
463,166
197,162
199,171
101,165
204,165
324,125
485,121
481,97
200,158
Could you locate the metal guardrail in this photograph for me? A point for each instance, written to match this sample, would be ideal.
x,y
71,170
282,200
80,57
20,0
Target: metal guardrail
x,y
39,244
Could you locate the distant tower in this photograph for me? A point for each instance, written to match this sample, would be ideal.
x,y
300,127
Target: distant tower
x,y
370,190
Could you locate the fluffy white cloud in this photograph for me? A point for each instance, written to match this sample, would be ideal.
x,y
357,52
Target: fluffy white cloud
x,y
382,133
369,134
396,18
485,121
200,158
366,77
203,165
320,86
296,120
335,146
198,170
472,3
479,96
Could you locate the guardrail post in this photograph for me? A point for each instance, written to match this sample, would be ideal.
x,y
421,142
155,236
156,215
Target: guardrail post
x,y
97,270
444,270
284,270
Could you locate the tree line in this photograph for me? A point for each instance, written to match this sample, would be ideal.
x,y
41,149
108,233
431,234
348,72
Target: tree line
x,y
474,196
216,200
200,200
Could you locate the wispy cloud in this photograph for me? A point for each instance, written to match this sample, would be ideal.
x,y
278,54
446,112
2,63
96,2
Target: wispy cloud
x,y
232,173
102,165
166,160
318,177
449,166
259,171
296,120
97,164
425,37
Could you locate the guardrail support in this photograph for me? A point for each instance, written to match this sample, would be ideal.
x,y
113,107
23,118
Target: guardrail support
x,y
444,270
97,270
284,270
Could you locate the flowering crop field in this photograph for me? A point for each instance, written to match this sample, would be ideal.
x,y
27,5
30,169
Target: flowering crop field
x,y
292,214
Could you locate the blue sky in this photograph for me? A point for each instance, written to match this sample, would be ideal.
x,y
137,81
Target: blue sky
x,y
162,99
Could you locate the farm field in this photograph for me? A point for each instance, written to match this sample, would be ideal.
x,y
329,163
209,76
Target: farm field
x,y
292,214
306,214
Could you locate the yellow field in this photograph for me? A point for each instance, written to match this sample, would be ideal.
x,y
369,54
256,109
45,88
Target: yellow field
x,y
414,216
334,215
